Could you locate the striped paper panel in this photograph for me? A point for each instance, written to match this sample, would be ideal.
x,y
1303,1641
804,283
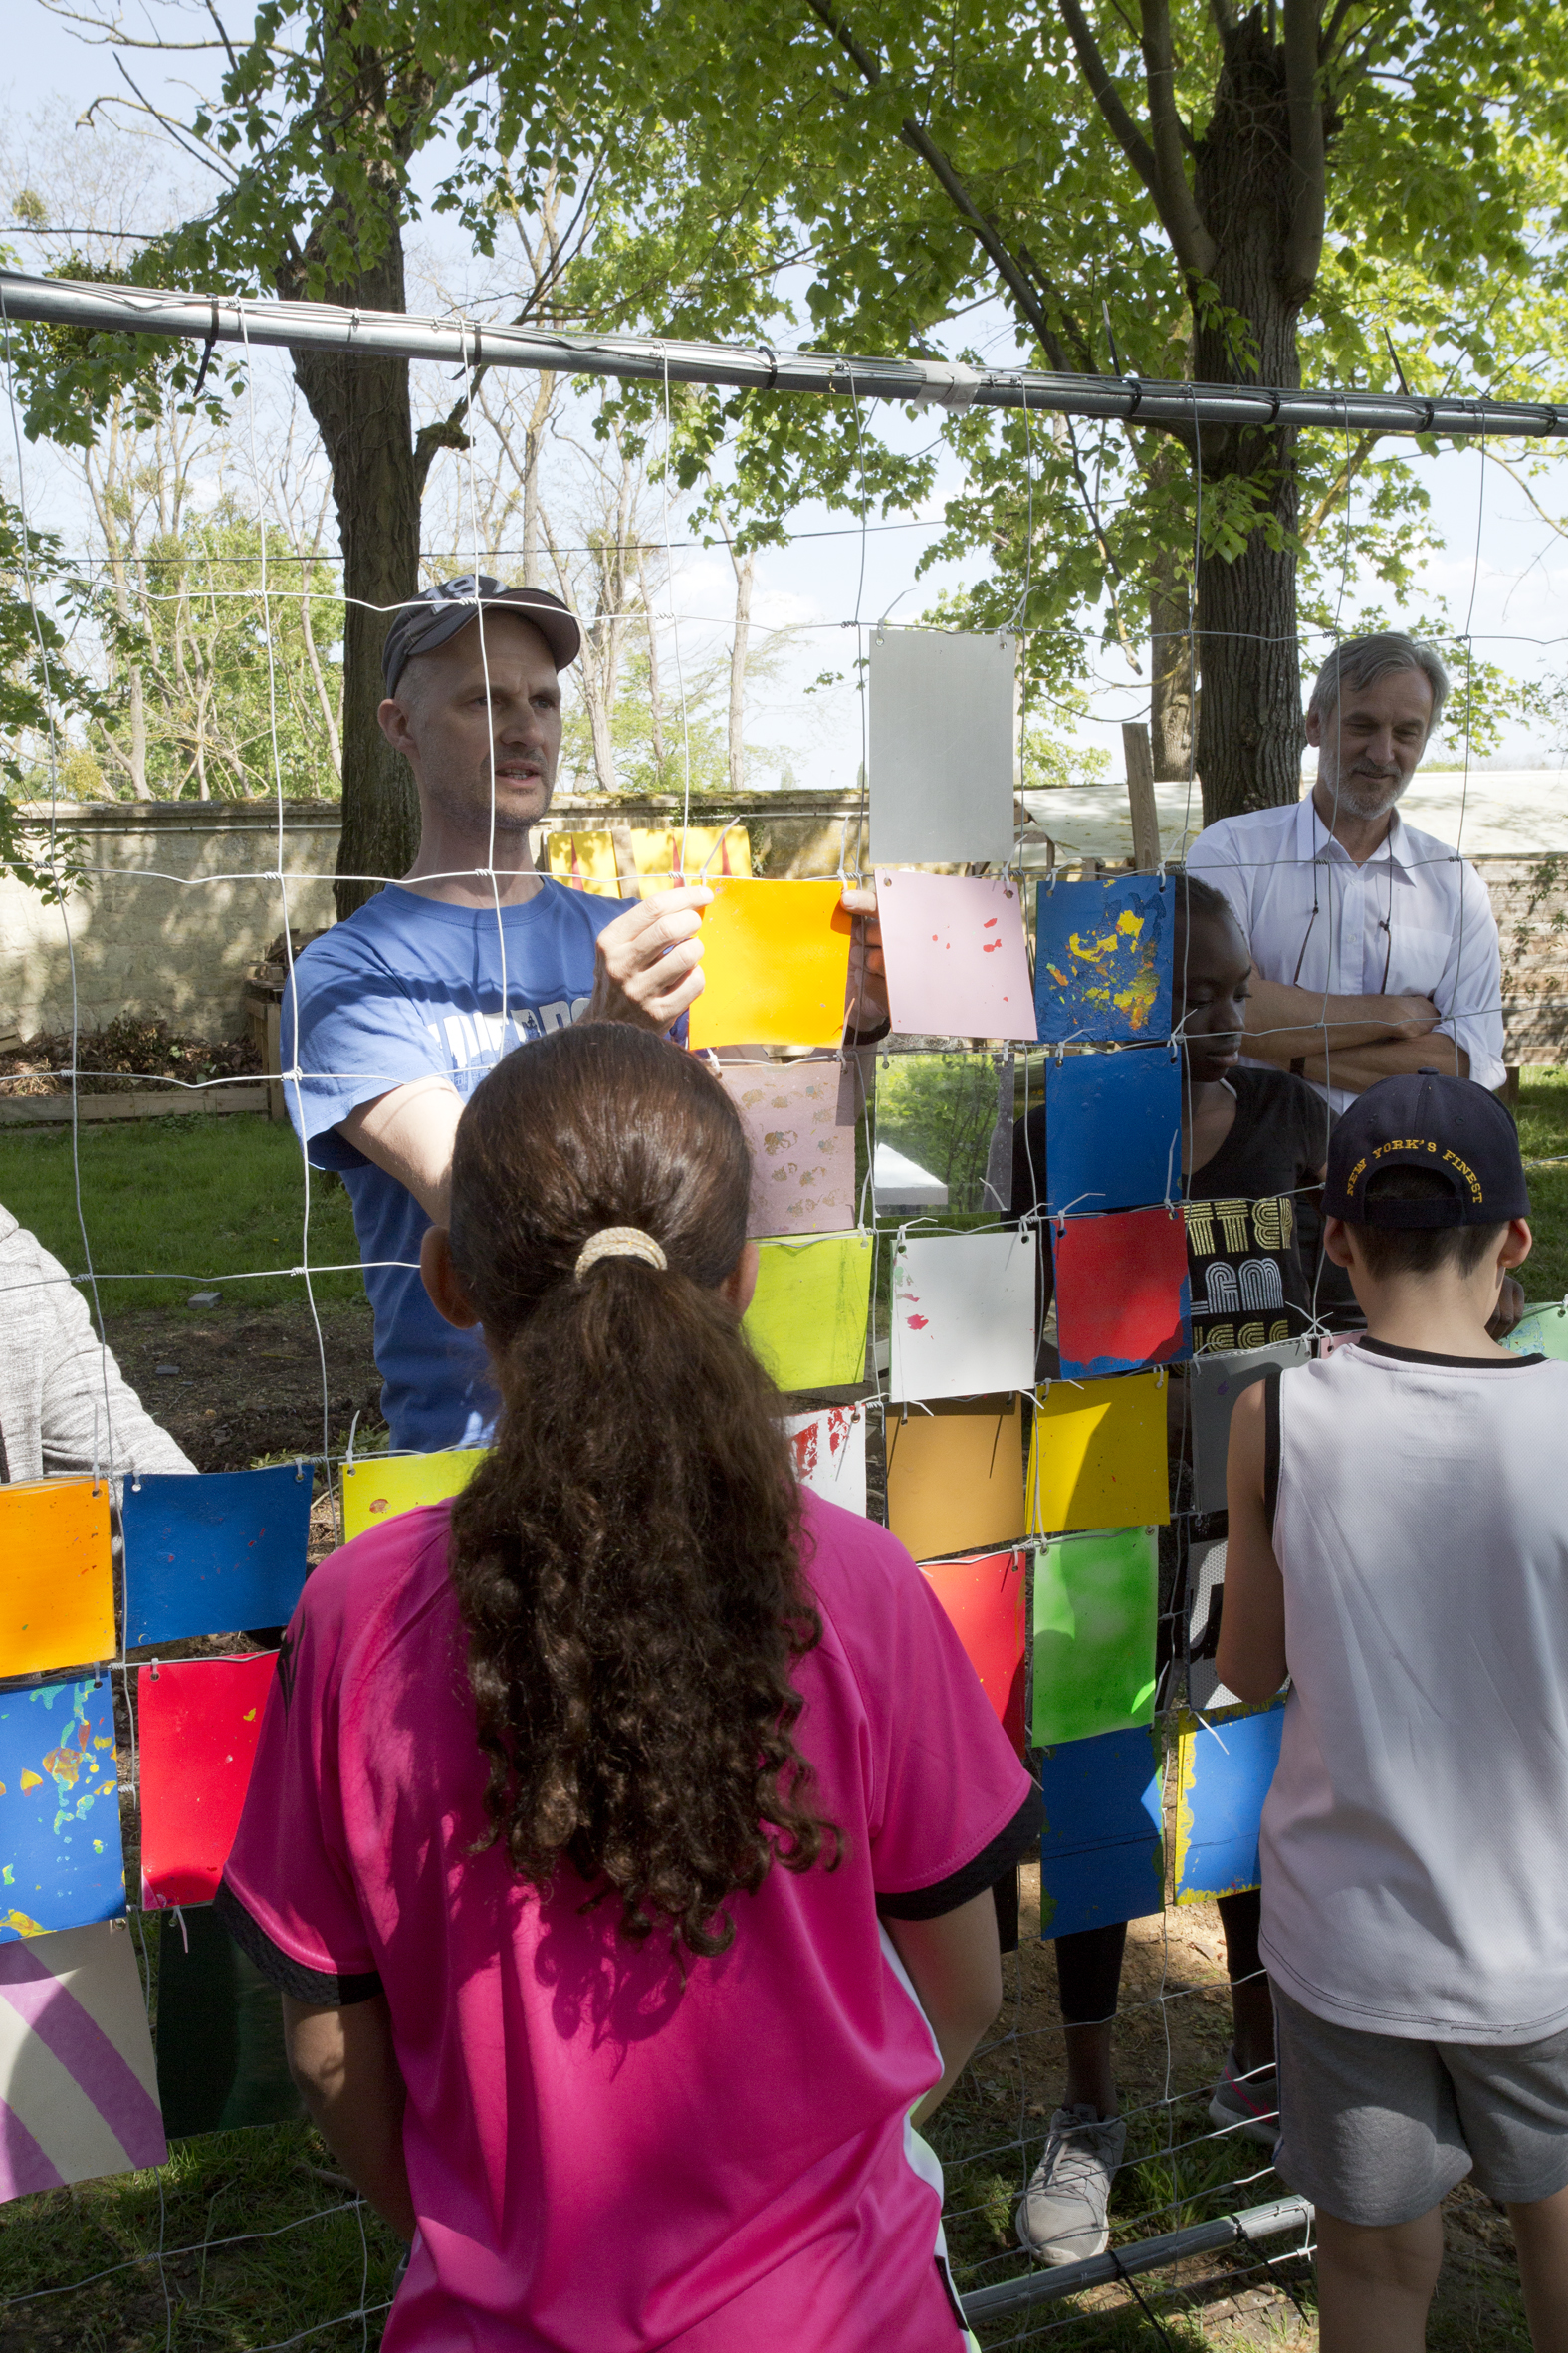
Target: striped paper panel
x,y
78,2084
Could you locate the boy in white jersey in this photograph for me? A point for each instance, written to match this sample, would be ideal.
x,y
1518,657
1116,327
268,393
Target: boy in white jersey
x,y
1399,1543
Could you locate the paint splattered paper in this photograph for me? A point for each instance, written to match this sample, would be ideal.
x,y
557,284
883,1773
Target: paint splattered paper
x,y
776,965
985,1599
937,1119
56,1597
1543,1333
1122,1294
1102,1856
213,1554
1223,1779
954,1476
829,1450
1113,1123
800,1122
61,1862
808,1319
956,957
1103,961
1097,1456
221,2057
381,1487
80,2097
943,734
198,1721
1096,1610
1214,1383
962,1315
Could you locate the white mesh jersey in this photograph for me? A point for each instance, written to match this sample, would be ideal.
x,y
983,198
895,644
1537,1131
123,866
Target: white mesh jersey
x,y
1413,1862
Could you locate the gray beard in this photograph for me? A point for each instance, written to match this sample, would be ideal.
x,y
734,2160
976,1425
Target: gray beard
x,y
1361,796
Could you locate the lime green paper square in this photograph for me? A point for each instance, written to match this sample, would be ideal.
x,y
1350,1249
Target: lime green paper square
x,y
807,1319
1096,1602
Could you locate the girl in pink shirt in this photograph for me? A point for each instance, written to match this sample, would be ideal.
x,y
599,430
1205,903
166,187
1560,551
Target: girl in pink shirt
x,y
623,1835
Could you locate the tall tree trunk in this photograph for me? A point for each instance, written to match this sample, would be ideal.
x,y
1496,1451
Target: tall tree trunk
x,y
1249,732
1171,685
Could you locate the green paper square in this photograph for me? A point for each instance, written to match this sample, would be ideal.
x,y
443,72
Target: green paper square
x,y
1096,1607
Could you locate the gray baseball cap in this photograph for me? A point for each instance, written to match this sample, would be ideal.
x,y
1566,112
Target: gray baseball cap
x,y
439,613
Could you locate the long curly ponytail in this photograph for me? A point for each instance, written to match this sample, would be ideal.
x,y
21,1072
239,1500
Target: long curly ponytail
x,y
626,1558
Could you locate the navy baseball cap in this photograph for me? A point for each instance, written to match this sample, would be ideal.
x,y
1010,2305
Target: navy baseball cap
x,y
1448,1127
439,613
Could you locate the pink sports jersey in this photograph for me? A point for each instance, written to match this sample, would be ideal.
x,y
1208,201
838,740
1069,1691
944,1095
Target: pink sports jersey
x,y
599,2157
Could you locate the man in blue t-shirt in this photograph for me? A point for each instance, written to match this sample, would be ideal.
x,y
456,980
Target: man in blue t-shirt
x,y
395,1016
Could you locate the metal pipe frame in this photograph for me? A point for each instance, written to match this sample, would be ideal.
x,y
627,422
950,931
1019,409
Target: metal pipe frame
x,y
1150,2255
392,334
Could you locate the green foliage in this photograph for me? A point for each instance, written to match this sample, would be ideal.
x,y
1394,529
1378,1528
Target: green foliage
x,y
40,690
939,1110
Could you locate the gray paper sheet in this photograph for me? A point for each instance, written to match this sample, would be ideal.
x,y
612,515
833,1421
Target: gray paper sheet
x,y
1214,1385
943,734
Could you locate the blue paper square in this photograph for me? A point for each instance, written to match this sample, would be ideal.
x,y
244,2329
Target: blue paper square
x,y
1102,1856
214,1553
61,1861
1103,961
1113,1130
1225,1781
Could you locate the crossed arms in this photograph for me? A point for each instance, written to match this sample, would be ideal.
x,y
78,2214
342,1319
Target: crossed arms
x,y
1350,1042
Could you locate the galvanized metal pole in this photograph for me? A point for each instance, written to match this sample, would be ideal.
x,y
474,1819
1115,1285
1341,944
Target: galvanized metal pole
x,y
1149,2254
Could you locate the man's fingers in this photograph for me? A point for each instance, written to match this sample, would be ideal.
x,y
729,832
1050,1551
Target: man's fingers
x,y
858,901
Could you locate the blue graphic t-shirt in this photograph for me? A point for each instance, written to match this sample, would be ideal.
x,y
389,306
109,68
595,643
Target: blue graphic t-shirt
x,y
412,988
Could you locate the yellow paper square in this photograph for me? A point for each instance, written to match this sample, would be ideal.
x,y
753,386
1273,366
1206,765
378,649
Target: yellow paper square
x,y
384,1486
584,862
776,965
1097,1458
56,1596
807,1319
955,1476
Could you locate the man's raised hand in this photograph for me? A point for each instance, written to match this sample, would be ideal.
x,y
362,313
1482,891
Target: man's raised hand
x,y
867,1006
648,962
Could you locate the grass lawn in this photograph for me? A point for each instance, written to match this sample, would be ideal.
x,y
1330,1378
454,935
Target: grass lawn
x,y
1543,1133
172,1203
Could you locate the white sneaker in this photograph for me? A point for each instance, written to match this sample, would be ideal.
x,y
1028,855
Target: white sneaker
x,y
1062,2216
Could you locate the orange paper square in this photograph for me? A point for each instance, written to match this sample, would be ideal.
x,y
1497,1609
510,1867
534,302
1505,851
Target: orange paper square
x,y
955,1476
57,1598
776,965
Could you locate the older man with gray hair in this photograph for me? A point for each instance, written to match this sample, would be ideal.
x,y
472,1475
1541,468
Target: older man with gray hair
x,y
1373,946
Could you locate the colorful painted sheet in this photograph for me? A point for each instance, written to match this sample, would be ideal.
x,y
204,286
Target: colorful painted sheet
x,y
943,735
1113,1123
963,1321
1543,1333
213,1554
985,1599
1214,1383
937,1116
829,1451
80,2097
381,1487
1122,1294
956,961
198,1721
1102,1856
221,2057
57,1598
800,1122
1097,1612
954,1476
1103,961
1221,1780
776,965
634,862
807,1319
1097,1456
61,1861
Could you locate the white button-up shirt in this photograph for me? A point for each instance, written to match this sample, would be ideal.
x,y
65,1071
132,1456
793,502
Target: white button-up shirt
x,y
1414,921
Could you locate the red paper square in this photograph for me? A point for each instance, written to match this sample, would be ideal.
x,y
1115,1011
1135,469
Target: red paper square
x,y
983,1597
1122,1297
198,1724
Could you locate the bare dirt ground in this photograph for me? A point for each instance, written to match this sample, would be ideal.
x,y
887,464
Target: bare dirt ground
x,y
231,1386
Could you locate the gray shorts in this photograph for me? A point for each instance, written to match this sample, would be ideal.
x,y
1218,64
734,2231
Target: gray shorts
x,y
1376,2129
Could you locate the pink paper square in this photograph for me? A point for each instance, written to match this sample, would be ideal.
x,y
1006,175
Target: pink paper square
x,y
800,1121
957,962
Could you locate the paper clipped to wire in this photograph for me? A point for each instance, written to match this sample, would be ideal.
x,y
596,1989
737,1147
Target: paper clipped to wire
x,y
808,1319
962,1315
956,961
1223,1779
1214,1383
1097,1456
1122,1294
1103,961
1102,1853
80,2097
1096,1613
943,733
1113,1127
383,1486
61,1862
199,1722
776,965
56,1597
983,1598
800,1122
829,1450
954,1476
213,1554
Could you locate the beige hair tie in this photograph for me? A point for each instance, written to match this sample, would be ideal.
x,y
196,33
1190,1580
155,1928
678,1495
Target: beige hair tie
x,y
619,1242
